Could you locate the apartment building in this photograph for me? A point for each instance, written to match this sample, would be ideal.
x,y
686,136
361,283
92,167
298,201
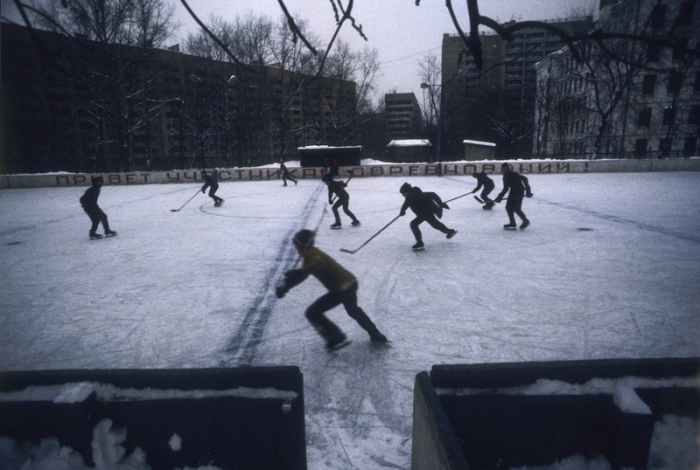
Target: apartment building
x,y
403,115
645,106
507,80
84,106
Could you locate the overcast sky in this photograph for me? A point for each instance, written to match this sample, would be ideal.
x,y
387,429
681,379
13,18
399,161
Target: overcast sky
x,y
402,32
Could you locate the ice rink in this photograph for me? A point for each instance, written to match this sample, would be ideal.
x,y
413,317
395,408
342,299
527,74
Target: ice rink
x,y
609,268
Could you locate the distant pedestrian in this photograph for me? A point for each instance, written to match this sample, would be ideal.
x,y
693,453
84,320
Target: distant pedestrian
x,y
484,180
210,182
89,202
342,289
337,188
426,206
285,174
519,186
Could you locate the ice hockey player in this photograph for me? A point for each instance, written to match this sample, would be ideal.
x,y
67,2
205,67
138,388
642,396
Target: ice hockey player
x,y
484,180
210,182
338,188
342,289
89,202
426,206
518,186
285,174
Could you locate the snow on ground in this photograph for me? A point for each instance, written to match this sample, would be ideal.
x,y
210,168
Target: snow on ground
x,y
609,268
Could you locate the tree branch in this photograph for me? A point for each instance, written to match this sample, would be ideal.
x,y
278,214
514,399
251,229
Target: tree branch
x,y
215,38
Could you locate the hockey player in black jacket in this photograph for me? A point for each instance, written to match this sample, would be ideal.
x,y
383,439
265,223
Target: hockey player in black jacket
x,y
484,180
337,188
210,182
89,202
426,206
518,186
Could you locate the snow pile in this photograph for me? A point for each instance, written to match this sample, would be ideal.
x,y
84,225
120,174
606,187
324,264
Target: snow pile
x,y
621,389
78,392
107,453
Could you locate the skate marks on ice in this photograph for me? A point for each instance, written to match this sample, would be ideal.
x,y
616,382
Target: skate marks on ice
x,y
359,406
243,346
622,220
356,413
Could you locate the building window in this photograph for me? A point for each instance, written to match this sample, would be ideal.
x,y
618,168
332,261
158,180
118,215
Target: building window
x,y
640,148
679,52
675,79
644,118
665,147
649,84
689,146
669,116
658,16
685,15
694,115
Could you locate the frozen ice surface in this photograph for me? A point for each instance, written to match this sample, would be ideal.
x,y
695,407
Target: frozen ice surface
x,y
609,268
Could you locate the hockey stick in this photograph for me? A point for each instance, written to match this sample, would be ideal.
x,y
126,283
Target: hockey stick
x,y
455,198
352,252
175,210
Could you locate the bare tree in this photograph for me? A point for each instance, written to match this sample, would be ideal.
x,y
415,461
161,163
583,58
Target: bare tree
x,y
118,78
430,74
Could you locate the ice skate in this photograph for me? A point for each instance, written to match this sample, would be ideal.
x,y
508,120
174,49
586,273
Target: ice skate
x,y
337,343
418,246
451,233
378,338
512,226
110,233
95,236
355,223
525,224
337,226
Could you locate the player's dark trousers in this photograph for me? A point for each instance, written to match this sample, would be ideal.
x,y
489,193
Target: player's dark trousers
x,y
212,192
514,206
435,223
485,194
286,176
344,201
348,297
96,216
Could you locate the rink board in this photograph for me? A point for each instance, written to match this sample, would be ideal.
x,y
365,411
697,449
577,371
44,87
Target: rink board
x,y
243,418
464,418
398,170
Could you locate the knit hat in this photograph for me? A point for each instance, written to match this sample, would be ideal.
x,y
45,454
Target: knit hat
x,y
95,179
505,165
304,238
405,188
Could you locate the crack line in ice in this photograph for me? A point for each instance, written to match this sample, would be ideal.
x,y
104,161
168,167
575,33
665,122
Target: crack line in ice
x,y
244,344
621,220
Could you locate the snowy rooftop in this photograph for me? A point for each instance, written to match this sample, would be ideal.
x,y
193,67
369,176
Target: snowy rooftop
x,y
409,143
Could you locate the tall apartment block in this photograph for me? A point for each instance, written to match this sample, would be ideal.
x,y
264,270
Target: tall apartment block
x,y
403,116
508,73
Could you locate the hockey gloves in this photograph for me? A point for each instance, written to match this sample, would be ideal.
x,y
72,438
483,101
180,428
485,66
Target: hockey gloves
x,y
291,278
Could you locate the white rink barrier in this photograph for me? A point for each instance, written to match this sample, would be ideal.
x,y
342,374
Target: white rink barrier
x,y
50,180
